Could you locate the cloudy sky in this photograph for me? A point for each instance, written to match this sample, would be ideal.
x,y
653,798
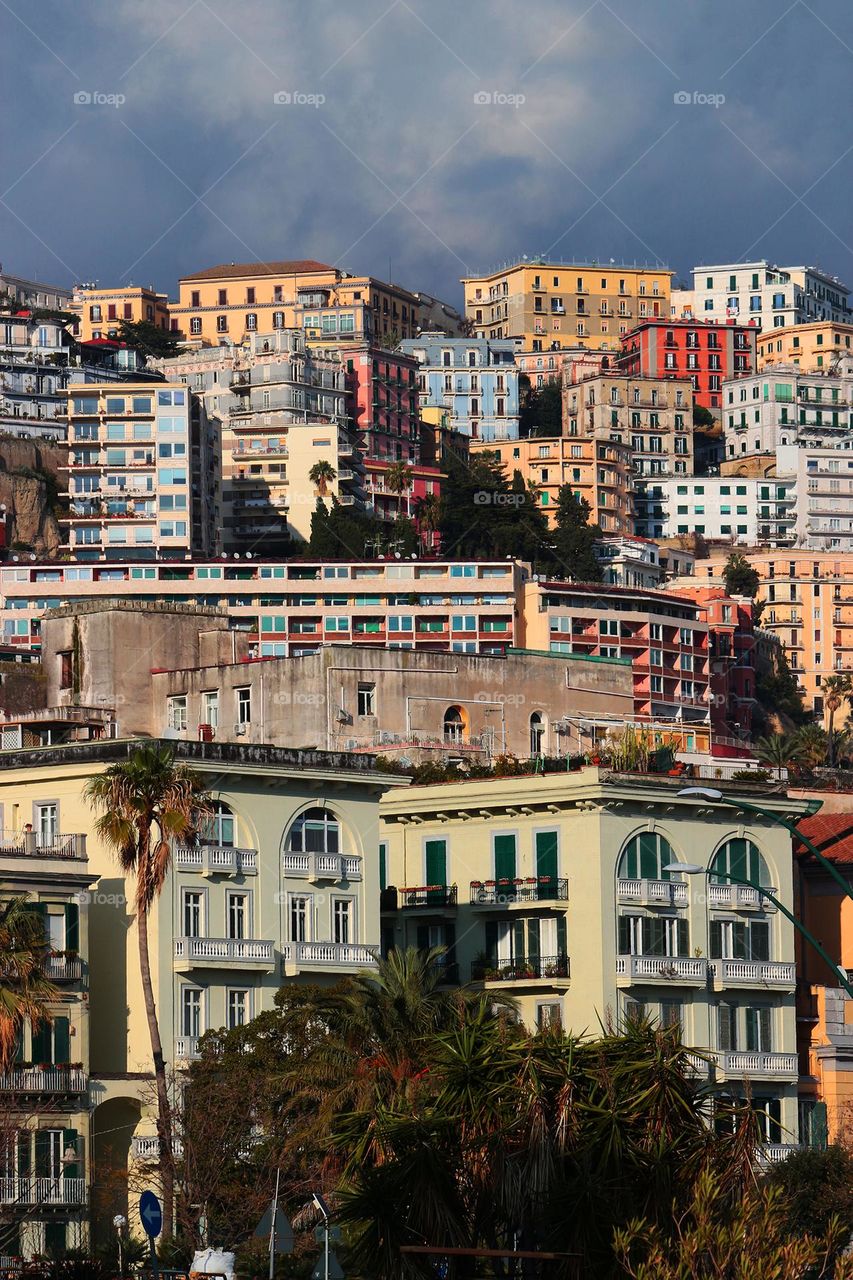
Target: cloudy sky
x,y
421,138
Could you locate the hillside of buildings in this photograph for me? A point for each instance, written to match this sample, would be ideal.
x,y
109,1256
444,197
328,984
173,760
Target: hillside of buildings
x,y
30,481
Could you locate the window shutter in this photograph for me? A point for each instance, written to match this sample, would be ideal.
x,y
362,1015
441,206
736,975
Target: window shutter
x,y
759,937
436,862
716,939
724,1028
42,1043
61,1040
562,938
534,949
683,938
42,1153
69,1139
624,935
518,940
738,940
504,857
492,941
72,926
383,866
423,937
765,1030
752,1030
819,1127
19,1045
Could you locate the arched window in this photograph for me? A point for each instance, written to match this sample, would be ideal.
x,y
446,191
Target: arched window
x,y
218,827
315,831
454,725
741,860
645,857
537,734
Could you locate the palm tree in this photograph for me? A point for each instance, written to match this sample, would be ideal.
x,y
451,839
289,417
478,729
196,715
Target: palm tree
x,y
398,479
836,691
24,988
145,803
428,516
814,743
779,751
322,474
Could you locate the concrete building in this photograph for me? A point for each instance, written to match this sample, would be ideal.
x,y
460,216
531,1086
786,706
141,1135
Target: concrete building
x,y
34,359
232,301
281,886
744,510
34,293
599,471
563,891
276,408
46,1097
548,305
816,347
100,311
704,354
142,473
775,297
572,364
783,405
179,671
474,380
637,562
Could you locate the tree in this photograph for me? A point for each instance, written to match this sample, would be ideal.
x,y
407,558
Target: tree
x,y
777,690
398,479
703,418
150,339
322,474
427,518
541,412
818,1186
836,690
575,538
779,750
740,577
25,991
146,803
814,745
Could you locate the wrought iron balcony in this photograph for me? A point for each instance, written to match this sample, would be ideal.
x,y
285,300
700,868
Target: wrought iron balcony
x,y
430,896
502,893
521,970
34,1192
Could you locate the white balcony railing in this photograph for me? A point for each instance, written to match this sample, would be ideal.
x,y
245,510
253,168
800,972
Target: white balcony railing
x,y
662,968
63,968
760,1064
755,972
335,954
663,892
38,1191
321,866
44,1080
225,950
186,1046
737,896
148,1147
214,859
773,1152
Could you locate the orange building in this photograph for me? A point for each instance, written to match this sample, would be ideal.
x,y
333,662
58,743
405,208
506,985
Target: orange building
x,y
100,311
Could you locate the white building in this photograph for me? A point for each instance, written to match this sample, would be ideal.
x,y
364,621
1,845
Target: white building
x,y
783,405
34,293
773,296
637,562
823,478
745,509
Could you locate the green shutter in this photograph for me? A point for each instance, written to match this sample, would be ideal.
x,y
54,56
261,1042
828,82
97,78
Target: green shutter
x,y
716,939
436,862
69,1139
562,941
624,935
42,1043
492,941
61,1040
504,849
72,926
683,937
19,1044
819,1128
546,863
725,1027
649,861
739,940
759,940
383,866
518,940
534,949
42,1145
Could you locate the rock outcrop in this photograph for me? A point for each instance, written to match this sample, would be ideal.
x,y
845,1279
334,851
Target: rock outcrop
x,y
30,480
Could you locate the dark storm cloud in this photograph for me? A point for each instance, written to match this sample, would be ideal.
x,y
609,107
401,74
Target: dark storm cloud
x,y
421,138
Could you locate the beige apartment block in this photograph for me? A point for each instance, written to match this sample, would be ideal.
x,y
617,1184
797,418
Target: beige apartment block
x,y
100,312
598,470
564,892
550,305
820,345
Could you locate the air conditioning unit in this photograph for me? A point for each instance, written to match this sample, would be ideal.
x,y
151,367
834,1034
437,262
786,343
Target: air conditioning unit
x,y
240,730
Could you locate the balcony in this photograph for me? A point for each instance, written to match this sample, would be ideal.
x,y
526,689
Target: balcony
x,y
321,866
29,844
345,956
186,1047
738,897
653,893
215,859
772,1065
63,968
44,1080
44,1191
190,953
682,969
430,897
509,893
532,969
148,1147
754,973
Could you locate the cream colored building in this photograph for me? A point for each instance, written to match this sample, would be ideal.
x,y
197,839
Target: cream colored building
x,y
100,312
45,1099
283,886
811,347
557,890
551,305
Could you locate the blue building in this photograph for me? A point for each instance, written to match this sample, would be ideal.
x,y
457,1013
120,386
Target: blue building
x,y
473,380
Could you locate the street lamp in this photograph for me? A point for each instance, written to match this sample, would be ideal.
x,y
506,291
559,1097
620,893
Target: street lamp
x,y
320,1204
120,1222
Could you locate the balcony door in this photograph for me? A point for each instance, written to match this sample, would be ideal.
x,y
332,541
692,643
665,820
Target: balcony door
x,y
546,864
47,823
435,856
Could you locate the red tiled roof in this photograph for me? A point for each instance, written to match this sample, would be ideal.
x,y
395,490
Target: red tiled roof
x,y
225,270
832,835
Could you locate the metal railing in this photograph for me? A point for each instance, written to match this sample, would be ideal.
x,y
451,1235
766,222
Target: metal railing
x,y
47,1079
63,968
24,844
499,893
38,1191
520,970
228,950
430,895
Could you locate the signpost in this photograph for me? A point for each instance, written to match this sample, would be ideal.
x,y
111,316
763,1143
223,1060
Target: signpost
x,y
275,1225
151,1217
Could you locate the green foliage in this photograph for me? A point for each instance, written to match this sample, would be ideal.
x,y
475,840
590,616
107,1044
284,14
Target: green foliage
x,y
818,1185
779,750
778,691
541,411
702,417
484,515
740,577
346,533
575,538
149,339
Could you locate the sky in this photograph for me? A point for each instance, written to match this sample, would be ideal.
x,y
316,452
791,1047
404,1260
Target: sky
x,y
421,140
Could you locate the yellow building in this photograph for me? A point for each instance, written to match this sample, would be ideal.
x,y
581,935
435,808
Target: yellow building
x,y
101,311
810,347
598,471
550,305
232,301
563,891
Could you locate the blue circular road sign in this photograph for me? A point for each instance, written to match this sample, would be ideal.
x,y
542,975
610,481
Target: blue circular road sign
x,y
151,1214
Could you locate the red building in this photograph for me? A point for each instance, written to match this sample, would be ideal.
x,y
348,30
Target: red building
x,y
731,664
704,352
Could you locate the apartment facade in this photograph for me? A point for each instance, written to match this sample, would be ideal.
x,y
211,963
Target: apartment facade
x,y
744,510
563,891
46,1097
704,354
473,380
638,562
774,297
785,406
549,305
34,293
598,471
815,347
141,472
99,312
32,376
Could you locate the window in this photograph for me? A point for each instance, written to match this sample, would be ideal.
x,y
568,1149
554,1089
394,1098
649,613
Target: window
x,y
537,734
454,725
217,828
739,940
741,861
238,915
244,705
300,916
342,920
504,856
652,936
727,1030
759,1038
367,699
315,831
210,708
191,1012
645,857
238,1008
193,913
671,1013
176,712
549,1016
